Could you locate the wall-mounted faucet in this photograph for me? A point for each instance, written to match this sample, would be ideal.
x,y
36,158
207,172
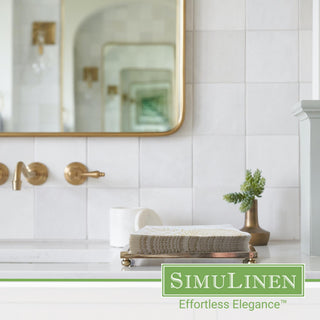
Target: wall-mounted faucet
x,y
4,173
77,173
36,174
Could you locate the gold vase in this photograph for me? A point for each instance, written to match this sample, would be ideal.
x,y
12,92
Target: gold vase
x,y
259,237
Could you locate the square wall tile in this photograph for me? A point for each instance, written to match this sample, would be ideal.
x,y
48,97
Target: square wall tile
x,y
219,56
174,206
305,14
16,214
60,213
272,56
279,213
277,157
118,158
269,109
210,208
99,203
272,14
13,150
189,15
56,154
220,14
305,56
219,109
189,57
305,91
166,162
219,161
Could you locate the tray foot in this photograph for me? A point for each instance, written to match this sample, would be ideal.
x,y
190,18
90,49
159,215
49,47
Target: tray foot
x,y
126,262
250,261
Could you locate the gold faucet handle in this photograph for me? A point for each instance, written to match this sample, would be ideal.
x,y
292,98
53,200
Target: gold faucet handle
x,y
4,174
77,173
94,174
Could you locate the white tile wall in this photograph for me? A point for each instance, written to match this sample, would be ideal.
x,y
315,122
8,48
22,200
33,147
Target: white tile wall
x,y
166,162
174,204
269,108
278,156
272,56
219,56
219,109
272,14
60,213
238,117
305,56
118,158
220,14
218,161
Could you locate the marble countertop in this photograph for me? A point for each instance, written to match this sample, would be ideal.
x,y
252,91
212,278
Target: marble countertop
x,y
96,260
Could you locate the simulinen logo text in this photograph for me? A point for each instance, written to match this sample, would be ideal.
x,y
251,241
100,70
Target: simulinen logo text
x,y
232,280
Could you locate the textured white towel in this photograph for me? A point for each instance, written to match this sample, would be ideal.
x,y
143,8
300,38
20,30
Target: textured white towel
x,y
188,239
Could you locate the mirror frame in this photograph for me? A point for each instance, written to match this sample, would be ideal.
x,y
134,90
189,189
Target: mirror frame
x,y
180,92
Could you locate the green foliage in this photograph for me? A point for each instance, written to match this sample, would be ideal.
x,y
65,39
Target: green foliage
x,y
252,187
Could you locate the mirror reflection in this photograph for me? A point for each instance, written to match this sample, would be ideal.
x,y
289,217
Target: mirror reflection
x,y
125,66
99,66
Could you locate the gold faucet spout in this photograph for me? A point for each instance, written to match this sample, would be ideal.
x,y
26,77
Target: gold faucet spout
x,y
21,168
36,174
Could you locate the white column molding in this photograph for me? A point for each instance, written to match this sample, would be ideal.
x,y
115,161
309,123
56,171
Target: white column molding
x,y
308,112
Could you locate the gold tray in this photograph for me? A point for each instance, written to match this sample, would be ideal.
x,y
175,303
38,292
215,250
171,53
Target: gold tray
x,y
247,256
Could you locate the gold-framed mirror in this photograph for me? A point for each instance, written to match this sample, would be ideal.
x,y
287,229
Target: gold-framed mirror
x,y
120,70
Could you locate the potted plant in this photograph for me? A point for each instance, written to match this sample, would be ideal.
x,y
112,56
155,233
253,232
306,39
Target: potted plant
x,y
251,189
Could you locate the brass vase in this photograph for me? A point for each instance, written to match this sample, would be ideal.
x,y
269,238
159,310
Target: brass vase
x,y
259,237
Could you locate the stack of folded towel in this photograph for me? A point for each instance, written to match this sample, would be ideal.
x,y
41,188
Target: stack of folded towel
x,y
188,239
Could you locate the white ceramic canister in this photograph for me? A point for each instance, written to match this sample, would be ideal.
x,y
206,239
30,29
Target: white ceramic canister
x,y
124,221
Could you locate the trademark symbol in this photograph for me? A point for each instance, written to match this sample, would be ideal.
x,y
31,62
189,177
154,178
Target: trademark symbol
x,y
283,301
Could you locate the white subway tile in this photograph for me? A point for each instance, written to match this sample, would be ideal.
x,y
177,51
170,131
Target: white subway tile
x,y
13,150
305,56
118,158
99,203
277,157
219,109
306,14
219,56
173,205
272,56
166,162
56,154
219,14
269,109
279,211
210,208
16,213
219,161
272,14
60,213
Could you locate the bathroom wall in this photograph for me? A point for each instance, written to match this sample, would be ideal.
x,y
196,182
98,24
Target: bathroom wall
x,y
35,94
248,62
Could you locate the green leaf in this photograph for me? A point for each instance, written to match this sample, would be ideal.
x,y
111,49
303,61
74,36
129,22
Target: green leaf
x,y
252,187
234,197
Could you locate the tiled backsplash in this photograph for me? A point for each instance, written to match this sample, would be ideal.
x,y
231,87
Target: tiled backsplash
x,y
248,62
